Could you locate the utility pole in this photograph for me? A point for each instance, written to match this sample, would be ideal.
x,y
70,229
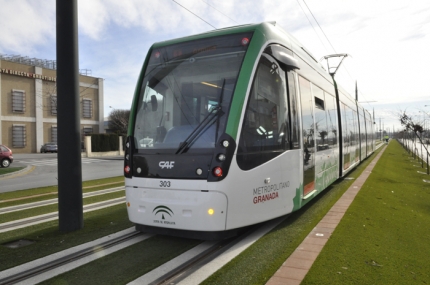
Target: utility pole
x,y
70,204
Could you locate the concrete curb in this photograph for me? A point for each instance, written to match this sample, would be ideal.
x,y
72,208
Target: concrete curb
x,y
27,169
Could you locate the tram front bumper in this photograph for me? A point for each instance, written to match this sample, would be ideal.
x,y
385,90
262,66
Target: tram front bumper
x,y
177,209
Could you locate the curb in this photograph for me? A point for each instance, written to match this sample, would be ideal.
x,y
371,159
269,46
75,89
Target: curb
x,y
27,169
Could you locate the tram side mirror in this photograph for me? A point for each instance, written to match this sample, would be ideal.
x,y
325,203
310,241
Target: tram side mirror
x,y
154,103
282,55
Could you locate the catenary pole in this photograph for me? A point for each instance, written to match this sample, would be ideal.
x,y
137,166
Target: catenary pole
x,y
70,204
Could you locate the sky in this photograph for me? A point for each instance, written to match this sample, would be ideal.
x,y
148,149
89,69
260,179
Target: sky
x,y
387,42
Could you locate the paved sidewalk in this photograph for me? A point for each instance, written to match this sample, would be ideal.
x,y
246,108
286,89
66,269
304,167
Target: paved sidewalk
x,y
295,268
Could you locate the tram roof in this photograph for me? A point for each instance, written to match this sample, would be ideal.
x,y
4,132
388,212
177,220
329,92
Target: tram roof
x,y
265,26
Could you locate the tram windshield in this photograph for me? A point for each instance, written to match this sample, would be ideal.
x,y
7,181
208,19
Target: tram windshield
x,y
186,92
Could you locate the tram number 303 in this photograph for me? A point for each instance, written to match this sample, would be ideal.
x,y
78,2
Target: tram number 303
x,y
164,184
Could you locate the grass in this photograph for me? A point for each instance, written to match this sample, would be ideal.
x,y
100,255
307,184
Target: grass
x,y
48,239
384,236
261,260
9,170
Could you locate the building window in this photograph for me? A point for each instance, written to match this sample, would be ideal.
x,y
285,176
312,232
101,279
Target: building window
x,y
53,104
18,136
87,108
54,134
18,101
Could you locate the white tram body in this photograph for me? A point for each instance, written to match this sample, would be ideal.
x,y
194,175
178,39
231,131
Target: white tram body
x,y
235,127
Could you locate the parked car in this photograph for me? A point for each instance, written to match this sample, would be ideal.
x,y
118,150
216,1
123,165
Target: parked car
x,y
49,147
6,157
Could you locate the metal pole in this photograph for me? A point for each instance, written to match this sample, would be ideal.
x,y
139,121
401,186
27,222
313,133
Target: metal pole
x,y
422,154
380,130
70,204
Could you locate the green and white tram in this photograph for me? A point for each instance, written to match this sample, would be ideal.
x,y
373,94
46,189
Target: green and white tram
x,y
235,127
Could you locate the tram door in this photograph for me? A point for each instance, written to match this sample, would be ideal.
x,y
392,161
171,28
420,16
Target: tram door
x,y
308,134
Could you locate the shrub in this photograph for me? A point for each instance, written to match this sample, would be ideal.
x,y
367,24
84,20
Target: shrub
x,y
104,142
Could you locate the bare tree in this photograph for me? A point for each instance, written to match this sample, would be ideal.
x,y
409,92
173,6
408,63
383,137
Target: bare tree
x,y
118,121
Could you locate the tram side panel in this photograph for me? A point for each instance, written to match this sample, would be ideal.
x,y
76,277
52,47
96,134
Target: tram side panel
x,y
264,179
264,192
319,132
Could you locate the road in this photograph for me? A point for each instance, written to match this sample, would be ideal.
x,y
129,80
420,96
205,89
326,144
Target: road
x,y
43,170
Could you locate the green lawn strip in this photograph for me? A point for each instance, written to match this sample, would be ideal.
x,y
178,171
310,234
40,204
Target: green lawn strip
x,y
9,170
127,264
384,236
50,192
48,239
261,260
54,207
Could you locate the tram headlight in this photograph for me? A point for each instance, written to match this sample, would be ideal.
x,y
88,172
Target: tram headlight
x,y
225,143
221,157
211,212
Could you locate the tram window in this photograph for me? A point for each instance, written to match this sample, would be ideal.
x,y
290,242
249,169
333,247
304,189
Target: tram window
x,y
331,119
319,103
320,119
265,130
308,133
294,113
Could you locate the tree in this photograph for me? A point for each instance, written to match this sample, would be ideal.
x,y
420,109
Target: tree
x,y
412,126
118,121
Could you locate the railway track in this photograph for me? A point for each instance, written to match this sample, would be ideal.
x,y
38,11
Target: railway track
x,y
26,206
184,268
47,267
199,263
195,263
17,224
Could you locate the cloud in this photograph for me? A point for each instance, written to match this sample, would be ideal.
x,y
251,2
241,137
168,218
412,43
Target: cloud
x,y
415,36
25,25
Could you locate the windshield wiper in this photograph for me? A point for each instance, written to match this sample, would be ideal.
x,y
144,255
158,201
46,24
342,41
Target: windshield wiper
x,y
208,120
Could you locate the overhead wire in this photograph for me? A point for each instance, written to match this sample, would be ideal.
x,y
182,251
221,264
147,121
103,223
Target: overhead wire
x,y
310,11
195,15
311,24
319,26
218,11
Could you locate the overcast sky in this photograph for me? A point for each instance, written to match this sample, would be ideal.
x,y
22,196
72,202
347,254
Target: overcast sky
x,y
389,41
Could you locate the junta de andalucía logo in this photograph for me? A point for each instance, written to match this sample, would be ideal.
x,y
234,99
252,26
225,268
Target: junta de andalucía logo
x,y
163,210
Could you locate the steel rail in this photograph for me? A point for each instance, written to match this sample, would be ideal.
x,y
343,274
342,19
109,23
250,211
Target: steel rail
x,y
26,206
67,259
187,268
47,217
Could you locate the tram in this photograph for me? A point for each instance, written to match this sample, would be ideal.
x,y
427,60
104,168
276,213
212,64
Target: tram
x,y
235,127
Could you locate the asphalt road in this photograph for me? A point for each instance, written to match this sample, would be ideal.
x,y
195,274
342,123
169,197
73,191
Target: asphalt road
x,y
42,170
